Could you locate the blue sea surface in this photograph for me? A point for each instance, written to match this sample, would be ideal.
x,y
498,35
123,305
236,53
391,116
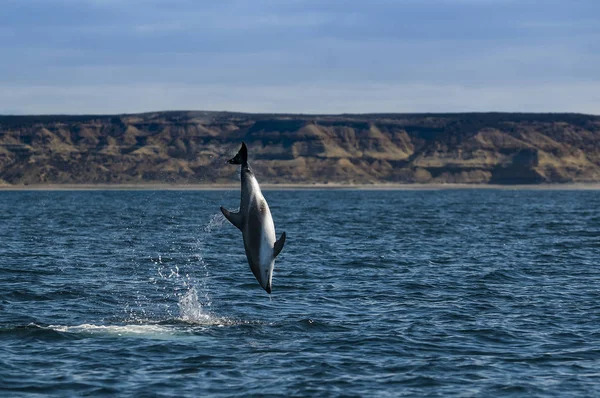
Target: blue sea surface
x,y
437,293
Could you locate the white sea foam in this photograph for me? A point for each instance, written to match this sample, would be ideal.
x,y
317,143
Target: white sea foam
x,y
135,330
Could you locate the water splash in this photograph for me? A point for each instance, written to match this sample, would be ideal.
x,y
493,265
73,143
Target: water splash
x,y
191,309
187,281
216,221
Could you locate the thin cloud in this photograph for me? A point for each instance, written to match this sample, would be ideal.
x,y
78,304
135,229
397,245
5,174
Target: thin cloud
x,y
235,54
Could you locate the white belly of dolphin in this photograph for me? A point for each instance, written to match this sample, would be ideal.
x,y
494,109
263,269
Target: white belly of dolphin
x,y
267,241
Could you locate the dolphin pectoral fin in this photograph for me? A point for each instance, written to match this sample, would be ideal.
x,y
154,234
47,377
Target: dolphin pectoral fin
x,y
278,245
234,218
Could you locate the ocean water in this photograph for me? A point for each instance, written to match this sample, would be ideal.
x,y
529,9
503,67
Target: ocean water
x,y
468,293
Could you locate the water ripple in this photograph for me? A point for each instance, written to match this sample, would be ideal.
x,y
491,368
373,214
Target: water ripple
x,y
399,293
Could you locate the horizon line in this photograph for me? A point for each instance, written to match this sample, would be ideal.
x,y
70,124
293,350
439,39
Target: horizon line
x,y
296,113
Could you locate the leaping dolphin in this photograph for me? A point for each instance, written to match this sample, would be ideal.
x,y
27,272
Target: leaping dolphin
x,y
255,221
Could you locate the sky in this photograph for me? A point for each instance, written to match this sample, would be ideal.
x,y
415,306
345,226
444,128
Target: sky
x,y
299,56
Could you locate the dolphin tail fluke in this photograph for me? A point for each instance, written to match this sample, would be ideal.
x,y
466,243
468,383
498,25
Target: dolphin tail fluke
x,y
234,218
241,157
278,245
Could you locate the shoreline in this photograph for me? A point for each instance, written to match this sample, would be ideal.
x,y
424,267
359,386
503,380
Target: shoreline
x,y
291,187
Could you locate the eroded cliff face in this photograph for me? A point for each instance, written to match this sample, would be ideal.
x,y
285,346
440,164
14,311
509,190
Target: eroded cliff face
x,y
192,147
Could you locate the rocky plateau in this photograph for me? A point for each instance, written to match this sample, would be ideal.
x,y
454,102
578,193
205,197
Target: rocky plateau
x,y
191,147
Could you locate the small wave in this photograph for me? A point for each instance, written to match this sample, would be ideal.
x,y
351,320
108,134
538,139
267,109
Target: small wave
x,y
30,331
308,324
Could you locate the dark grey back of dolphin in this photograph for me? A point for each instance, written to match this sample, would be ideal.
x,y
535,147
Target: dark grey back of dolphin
x,y
255,221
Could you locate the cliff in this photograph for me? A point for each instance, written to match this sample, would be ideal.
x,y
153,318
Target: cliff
x,y
192,147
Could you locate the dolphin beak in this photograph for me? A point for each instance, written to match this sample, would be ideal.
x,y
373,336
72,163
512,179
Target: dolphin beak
x,y
268,288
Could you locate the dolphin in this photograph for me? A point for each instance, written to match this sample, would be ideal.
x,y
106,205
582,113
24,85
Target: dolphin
x,y
255,221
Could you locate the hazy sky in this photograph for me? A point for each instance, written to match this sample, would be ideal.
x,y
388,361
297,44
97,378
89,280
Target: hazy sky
x,y
317,56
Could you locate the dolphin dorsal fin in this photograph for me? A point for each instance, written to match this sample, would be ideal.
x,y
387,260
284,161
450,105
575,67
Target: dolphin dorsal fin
x,y
234,218
278,245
